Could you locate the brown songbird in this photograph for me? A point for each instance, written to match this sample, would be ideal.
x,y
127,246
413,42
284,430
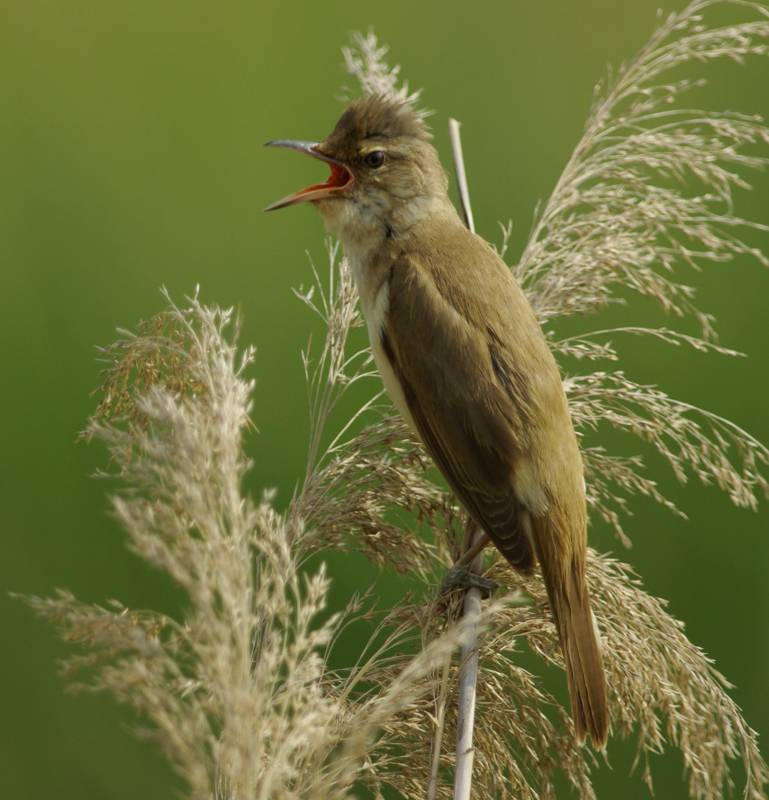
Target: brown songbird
x,y
465,361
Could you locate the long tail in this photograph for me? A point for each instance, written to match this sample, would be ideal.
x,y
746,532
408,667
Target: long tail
x,y
570,605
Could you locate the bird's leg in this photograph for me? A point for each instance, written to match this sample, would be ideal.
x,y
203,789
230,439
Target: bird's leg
x,y
461,576
472,551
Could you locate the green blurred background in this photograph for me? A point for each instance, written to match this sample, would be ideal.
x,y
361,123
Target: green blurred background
x,y
130,158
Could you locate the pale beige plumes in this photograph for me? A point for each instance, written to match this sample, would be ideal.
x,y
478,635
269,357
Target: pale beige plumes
x,y
365,61
209,686
648,192
238,691
650,186
582,253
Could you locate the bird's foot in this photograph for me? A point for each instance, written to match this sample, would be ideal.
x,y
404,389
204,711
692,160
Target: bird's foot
x,y
459,577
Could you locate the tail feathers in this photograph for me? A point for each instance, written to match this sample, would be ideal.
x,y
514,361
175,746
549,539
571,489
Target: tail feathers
x,y
584,665
570,606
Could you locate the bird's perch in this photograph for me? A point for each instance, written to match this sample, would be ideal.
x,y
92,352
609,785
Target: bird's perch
x,y
468,678
459,168
468,669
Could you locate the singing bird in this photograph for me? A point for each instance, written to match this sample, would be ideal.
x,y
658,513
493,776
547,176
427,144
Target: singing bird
x,y
466,363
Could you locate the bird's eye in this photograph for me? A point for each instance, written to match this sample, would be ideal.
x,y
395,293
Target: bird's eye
x,y
374,159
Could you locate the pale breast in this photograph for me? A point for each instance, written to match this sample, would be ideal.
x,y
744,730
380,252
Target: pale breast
x,y
374,291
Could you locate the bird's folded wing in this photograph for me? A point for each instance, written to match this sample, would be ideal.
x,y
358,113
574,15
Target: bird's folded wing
x,y
452,373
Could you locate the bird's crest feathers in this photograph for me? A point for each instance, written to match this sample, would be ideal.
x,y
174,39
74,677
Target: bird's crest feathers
x,y
376,116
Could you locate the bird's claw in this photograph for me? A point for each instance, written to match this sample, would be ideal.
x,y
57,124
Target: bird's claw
x,y
459,577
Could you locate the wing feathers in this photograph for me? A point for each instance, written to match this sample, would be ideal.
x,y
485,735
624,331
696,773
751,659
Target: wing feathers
x,y
461,410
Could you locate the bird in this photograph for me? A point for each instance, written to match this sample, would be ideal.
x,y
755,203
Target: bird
x,y
466,363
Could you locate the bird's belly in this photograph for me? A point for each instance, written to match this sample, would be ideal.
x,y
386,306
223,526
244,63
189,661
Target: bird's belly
x,y
375,304
389,378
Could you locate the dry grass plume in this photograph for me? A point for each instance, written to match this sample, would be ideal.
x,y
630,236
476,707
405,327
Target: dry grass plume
x,y
238,690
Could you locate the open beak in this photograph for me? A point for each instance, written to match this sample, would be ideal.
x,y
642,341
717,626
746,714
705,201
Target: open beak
x,y
340,177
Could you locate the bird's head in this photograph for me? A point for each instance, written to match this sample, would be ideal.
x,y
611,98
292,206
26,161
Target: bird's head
x,y
385,173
